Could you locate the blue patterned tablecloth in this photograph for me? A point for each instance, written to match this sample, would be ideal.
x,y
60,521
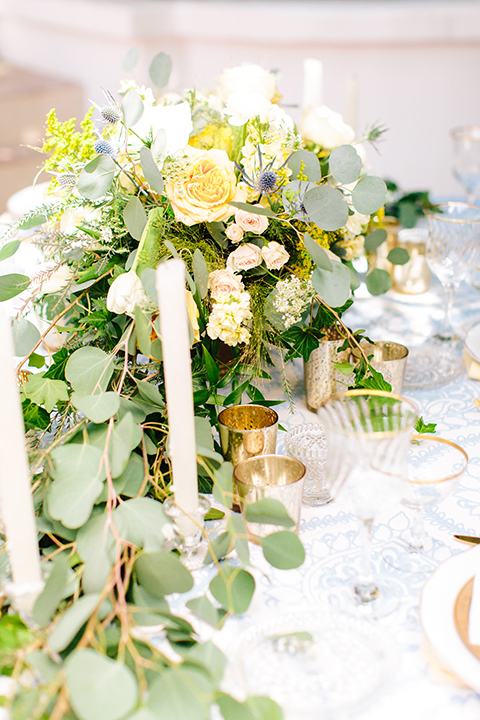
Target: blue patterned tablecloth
x,y
329,533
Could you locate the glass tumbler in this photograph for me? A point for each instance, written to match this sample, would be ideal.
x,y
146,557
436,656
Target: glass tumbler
x,y
307,443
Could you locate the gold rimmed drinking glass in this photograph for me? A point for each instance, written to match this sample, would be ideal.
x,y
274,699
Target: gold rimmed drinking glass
x,y
368,433
466,159
434,467
452,250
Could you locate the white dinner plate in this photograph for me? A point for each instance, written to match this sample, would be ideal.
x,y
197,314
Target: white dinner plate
x,y
472,342
437,615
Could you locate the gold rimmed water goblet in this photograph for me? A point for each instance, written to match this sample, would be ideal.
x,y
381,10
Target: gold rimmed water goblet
x,y
368,433
466,159
434,467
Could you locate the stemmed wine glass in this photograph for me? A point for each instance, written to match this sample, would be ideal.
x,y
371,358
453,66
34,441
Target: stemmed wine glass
x,y
368,433
434,467
466,159
452,250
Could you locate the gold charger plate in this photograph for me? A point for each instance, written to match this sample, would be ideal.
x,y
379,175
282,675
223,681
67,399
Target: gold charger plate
x,y
461,614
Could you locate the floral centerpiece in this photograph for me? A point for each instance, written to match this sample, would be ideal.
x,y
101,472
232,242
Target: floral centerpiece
x,y
268,220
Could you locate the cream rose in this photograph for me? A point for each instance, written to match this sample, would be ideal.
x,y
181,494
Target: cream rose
x,y
353,246
244,257
274,255
204,192
125,293
234,233
247,78
250,222
355,223
223,282
243,107
73,217
326,128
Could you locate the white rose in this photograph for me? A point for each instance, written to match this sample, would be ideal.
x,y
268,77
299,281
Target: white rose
x,y
275,255
326,128
251,222
73,217
223,282
244,257
175,120
355,223
234,233
353,246
54,282
242,107
125,293
247,78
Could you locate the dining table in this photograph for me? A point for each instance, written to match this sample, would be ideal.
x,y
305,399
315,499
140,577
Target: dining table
x,y
420,677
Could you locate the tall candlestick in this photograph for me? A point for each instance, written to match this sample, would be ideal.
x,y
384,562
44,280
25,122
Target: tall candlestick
x,y
351,102
178,387
16,505
312,83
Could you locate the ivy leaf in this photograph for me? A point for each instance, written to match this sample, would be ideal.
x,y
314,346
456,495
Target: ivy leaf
x,y
345,368
375,381
303,340
44,391
422,428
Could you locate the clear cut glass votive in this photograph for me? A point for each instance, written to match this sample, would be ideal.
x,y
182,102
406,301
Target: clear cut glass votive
x,y
270,476
307,443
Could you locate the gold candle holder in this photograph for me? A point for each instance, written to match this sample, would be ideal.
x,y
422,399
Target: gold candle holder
x,y
270,476
246,431
389,358
319,373
414,277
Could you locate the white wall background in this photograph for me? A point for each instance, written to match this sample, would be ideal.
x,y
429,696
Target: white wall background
x,y
417,61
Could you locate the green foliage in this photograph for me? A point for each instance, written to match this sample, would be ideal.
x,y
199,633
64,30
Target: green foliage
x,y
368,195
160,69
14,635
425,428
12,285
45,391
344,164
65,145
326,207
25,336
96,177
378,281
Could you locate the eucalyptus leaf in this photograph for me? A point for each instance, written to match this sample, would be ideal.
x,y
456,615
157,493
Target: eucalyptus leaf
x,y
133,475
223,484
12,285
398,256
125,437
135,217
374,239
219,547
96,177
378,281
97,408
131,59
150,393
283,550
160,69
326,207
203,432
306,165
238,531
150,169
159,145
144,520
368,195
127,405
25,336
345,164
209,657
269,511
317,253
143,327
9,249
149,284
263,708
200,273
132,108
71,621
333,287
149,603
43,665
100,688
45,391
89,370
255,209
175,695
53,592
95,546
162,573
233,588
203,608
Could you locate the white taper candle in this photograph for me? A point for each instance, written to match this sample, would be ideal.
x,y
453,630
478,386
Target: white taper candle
x,y
16,504
351,102
175,333
312,83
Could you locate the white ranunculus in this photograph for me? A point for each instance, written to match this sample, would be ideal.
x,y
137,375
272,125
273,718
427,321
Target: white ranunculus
x,y
242,107
326,128
176,120
274,255
247,78
125,293
355,223
245,257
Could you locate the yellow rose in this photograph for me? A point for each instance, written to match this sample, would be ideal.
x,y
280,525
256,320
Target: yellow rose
x,y
203,193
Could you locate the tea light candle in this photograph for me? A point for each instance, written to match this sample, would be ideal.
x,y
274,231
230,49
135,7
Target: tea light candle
x,y
16,505
312,83
178,387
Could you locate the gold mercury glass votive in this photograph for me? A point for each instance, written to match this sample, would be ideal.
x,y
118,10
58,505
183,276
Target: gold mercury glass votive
x,y
389,358
414,277
246,431
270,476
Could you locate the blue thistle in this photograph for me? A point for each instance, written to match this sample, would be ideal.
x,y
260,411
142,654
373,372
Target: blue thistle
x,y
267,182
67,179
102,147
267,179
110,114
